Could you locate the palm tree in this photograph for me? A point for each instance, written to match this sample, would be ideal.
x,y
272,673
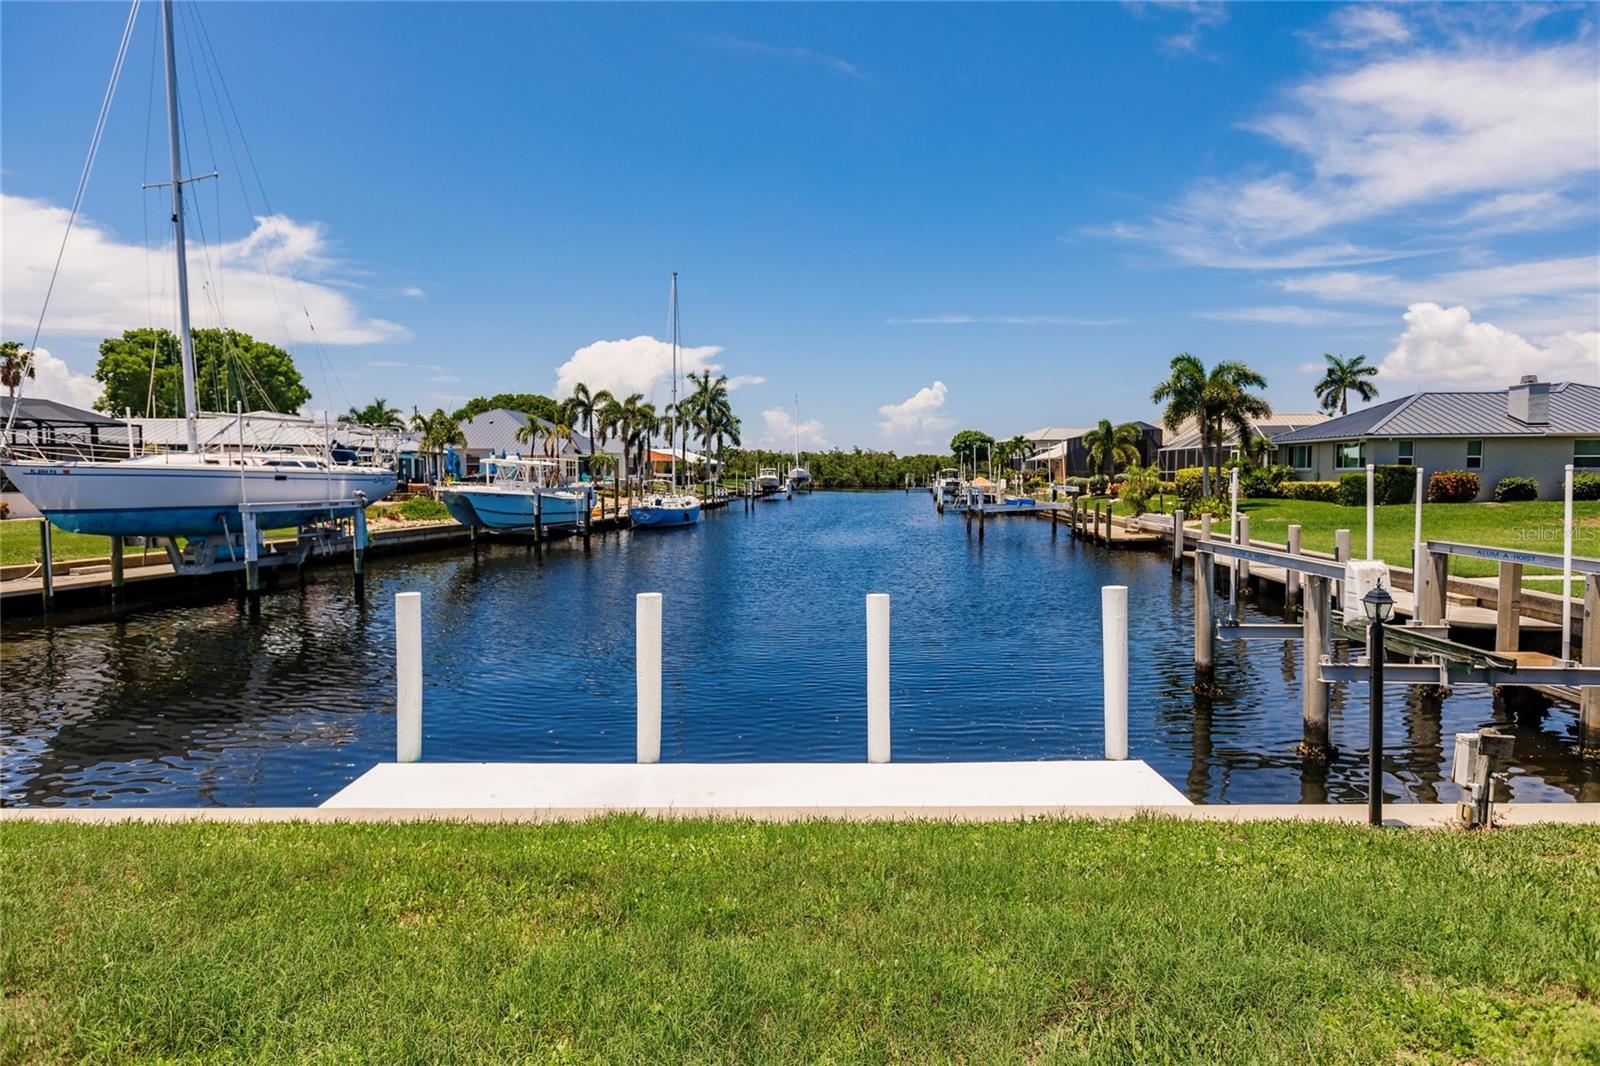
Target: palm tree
x,y
377,414
439,432
1111,447
597,465
643,428
1184,393
713,413
1219,401
16,365
1341,378
581,409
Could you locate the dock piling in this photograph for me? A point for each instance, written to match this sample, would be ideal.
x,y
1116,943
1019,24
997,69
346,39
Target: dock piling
x,y
358,552
1177,540
588,519
1508,608
1314,630
408,677
1114,652
252,568
538,524
1434,584
878,677
116,570
1291,578
47,570
1589,698
647,672
1242,576
1205,631
1341,555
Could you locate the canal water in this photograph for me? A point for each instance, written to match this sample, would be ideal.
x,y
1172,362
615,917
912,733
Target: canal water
x,y
995,651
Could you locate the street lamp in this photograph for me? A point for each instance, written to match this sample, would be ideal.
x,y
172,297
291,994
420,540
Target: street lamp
x,y
1379,608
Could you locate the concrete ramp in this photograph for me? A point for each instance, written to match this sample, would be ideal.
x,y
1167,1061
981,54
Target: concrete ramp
x,y
968,789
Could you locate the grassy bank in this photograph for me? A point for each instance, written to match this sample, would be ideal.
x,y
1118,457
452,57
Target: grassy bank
x,y
627,940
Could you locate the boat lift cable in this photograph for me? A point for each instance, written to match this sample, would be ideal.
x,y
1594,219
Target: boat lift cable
x,y
77,201
227,97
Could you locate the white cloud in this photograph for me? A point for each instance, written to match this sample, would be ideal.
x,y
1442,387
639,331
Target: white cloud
x,y
107,286
1506,285
638,364
739,381
920,413
778,428
1290,315
1361,26
414,291
1198,16
1443,346
54,380
791,52
1006,320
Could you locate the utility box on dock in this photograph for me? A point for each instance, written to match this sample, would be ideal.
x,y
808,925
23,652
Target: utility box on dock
x,y
1361,576
1477,758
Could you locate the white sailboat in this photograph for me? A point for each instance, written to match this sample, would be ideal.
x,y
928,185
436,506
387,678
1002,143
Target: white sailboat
x,y
197,493
799,476
665,505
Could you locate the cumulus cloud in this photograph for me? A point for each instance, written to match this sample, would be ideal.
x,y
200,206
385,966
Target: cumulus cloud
x,y
1360,26
778,428
1005,320
414,291
108,285
638,364
919,414
1444,346
54,380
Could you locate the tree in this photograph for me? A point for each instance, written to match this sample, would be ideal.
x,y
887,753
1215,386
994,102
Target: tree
x,y
529,403
143,370
439,432
582,407
643,425
377,414
966,444
713,413
1342,377
1111,447
1184,393
16,365
1232,407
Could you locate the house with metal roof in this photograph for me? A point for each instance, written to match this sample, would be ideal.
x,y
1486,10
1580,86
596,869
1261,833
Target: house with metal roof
x,y
1184,446
1532,429
1063,451
495,433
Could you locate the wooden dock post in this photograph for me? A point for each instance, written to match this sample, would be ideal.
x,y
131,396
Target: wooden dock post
x,y
47,566
1314,629
1243,576
538,524
1177,540
1072,515
358,552
588,521
1114,655
1341,555
1431,596
647,677
1589,697
116,570
878,677
1291,578
1508,609
1205,527
1205,630
252,568
983,514
408,677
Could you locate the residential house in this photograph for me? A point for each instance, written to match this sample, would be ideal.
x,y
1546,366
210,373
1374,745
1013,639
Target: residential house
x,y
1184,448
1063,451
495,433
1531,429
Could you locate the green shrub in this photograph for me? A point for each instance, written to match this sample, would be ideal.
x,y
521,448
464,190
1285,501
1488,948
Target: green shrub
x,y
1353,489
1320,491
1453,486
1098,484
1390,484
423,508
1211,505
1139,483
1586,486
1512,489
1186,483
1264,482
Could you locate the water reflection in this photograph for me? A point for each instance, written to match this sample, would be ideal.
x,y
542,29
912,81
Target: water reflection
x,y
995,645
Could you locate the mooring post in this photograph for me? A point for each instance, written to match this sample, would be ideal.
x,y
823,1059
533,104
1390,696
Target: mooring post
x,y
408,676
1314,628
1114,653
647,676
1177,540
538,524
878,677
252,568
1508,609
1371,546
358,552
1589,696
47,566
1205,527
1244,564
983,515
116,569
1431,600
1341,555
588,519
1291,578
1205,631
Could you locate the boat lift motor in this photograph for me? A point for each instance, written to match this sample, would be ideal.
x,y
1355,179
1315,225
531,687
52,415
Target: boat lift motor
x,y
1477,757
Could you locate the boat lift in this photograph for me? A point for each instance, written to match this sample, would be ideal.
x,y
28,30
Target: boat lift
x,y
1448,663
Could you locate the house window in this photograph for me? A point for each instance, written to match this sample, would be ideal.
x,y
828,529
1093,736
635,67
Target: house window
x,y
1300,456
1406,452
1352,455
1474,454
1586,453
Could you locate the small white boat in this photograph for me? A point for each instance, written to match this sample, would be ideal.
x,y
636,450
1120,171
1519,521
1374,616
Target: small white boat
x,y
799,476
522,494
767,480
665,505
947,485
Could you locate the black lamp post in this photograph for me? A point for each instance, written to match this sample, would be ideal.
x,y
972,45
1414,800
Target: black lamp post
x,y
1379,607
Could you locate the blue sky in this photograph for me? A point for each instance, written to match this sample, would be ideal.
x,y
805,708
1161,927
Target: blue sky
x,y
916,218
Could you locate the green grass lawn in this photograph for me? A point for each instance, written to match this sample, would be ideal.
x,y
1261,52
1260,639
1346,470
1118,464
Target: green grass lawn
x,y
19,543
626,940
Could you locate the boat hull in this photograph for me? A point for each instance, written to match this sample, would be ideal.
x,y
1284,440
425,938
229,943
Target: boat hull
x,y
152,499
490,509
664,517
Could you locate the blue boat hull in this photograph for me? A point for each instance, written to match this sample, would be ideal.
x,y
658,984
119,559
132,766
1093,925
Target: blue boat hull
x,y
176,521
508,511
663,517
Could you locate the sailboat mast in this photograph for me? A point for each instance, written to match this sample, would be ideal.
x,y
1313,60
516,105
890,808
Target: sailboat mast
x,y
797,431
672,445
175,149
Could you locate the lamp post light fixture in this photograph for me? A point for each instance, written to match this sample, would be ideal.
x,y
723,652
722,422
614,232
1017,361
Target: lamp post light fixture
x,y
1379,608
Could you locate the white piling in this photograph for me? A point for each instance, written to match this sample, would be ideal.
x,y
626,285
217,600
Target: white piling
x,y
1371,478
1114,652
1416,532
1233,536
647,656
408,677
878,677
1566,574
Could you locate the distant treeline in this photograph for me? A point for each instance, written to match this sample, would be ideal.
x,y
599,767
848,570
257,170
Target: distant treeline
x,y
839,469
